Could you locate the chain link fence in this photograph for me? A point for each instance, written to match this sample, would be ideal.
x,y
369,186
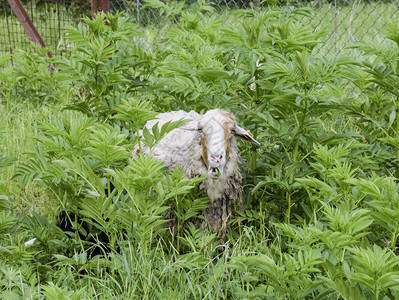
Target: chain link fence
x,y
345,21
49,17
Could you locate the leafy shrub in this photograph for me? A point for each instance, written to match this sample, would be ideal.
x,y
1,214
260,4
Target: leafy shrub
x,y
321,194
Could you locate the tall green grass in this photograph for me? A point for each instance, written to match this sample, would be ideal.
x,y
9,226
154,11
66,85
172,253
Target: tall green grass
x,y
24,102
18,129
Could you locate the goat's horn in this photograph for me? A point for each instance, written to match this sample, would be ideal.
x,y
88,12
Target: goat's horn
x,y
245,135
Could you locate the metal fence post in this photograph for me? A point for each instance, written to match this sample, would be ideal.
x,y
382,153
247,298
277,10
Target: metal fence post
x,y
27,24
99,5
94,8
104,5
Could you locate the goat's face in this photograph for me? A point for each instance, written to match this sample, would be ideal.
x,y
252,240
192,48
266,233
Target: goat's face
x,y
218,129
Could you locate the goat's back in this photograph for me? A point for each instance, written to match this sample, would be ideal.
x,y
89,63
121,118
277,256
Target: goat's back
x,y
174,148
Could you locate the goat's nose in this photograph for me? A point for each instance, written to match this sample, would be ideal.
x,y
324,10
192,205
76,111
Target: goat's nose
x,y
216,158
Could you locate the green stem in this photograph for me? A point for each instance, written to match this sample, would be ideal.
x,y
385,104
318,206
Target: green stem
x,y
139,141
295,157
109,184
97,89
178,224
397,132
256,89
341,259
393,240
376,293
288,214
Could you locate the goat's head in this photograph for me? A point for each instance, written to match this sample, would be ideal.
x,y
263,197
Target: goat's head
x,y
217,129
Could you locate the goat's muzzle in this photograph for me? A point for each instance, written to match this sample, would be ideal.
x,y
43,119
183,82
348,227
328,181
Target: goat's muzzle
x,y
215,172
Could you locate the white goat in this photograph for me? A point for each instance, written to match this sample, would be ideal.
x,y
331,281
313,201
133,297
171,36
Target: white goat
x,y
206,147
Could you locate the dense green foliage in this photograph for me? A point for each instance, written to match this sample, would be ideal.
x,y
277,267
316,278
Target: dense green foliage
x,y
321,215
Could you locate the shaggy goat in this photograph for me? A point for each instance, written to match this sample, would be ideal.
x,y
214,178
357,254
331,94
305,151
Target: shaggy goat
x,y
206,147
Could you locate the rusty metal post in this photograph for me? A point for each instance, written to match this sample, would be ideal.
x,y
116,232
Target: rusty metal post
x,y
26,22
94,8
103,5
99,5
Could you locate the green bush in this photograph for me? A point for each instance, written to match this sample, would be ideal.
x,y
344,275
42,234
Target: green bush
x,y
321,193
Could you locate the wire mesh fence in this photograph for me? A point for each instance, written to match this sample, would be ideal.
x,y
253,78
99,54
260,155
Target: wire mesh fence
x,y
49,17
345,21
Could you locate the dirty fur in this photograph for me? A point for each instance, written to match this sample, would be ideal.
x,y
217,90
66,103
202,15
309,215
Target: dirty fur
x,y
186,146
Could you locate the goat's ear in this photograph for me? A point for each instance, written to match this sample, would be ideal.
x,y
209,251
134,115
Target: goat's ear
x,y
244,135
229,115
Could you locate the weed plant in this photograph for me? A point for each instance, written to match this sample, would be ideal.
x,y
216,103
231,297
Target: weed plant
x,y
321,193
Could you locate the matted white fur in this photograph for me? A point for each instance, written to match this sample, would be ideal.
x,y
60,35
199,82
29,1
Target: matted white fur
x,y
174,148
210,135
